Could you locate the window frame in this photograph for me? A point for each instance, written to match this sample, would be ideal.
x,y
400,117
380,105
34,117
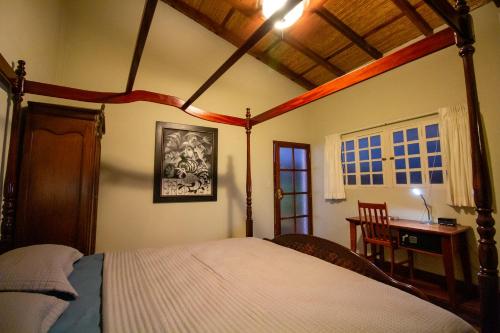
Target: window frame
x,y
388,156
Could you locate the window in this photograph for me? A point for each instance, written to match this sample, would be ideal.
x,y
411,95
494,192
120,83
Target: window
x,y
394,155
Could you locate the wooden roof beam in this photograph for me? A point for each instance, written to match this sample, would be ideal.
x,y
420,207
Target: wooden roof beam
x,y
350,34
446,11
412,14
406,55
313,55
249,43
147,18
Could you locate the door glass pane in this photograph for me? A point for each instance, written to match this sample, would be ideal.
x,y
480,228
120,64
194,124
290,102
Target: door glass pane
x,y
287,227
416,177
286,161
301,181
432,131
400,177
286,181
436,177
300,158
412,134
286,205
302,226
301,204
365,179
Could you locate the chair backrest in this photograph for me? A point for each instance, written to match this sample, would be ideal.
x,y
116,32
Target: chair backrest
x,y
374,222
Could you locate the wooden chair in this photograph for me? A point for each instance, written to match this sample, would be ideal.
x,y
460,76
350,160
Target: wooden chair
x,y
376,231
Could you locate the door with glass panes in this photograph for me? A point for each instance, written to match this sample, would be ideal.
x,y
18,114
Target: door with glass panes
x,y
292,188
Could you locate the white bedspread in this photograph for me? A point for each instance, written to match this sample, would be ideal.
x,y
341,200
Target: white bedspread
x,y
251,285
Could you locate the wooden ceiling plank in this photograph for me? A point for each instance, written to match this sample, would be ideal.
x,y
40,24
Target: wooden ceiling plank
x,y
406,55
350,34
147,18
240,52
228,17
236,41
449,15
412,14
313,55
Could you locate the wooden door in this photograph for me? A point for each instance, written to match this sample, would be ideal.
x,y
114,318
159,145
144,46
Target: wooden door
x,y
57,198
292,188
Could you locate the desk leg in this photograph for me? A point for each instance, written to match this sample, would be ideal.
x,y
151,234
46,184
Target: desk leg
x,y
352,229
447,248
465,261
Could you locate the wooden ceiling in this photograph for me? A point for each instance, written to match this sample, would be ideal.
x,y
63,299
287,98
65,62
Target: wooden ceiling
x,y
332,38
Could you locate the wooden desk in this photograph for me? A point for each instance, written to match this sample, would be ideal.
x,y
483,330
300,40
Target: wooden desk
x,y
451,239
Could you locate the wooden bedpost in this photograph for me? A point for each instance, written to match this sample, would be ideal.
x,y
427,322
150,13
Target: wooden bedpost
x,y
12,172
488,254
249,221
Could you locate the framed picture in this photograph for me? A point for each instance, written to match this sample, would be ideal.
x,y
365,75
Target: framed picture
x,y
185,163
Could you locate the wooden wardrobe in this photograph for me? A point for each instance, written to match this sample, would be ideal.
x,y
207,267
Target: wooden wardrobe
x,y
58,176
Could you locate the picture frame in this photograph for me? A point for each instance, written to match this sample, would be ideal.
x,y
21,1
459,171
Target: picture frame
x,y
185,166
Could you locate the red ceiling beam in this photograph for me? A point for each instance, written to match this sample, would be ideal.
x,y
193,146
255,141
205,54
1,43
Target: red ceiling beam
x,y
147,18
240,52
413,52
44,89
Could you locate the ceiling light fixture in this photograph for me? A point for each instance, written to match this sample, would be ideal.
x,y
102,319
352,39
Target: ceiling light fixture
x,y
269,7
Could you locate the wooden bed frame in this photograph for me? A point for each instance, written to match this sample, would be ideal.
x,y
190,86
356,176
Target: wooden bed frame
x,y
460,32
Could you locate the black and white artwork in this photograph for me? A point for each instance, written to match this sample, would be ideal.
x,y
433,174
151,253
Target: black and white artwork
x,y
185,163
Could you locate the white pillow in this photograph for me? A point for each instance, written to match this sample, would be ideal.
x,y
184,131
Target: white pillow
x,y
39,268
27,312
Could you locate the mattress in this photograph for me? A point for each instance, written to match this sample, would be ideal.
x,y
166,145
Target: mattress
x,y
251,285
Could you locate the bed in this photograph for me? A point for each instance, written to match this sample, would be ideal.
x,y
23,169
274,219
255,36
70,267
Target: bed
x,y
460,23
236,285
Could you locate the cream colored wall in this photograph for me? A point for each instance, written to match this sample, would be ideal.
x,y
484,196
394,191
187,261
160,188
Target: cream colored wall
x,y
179,56
417,88
30,31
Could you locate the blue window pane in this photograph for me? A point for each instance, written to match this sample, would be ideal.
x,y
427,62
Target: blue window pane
x,y
378,179
435,161
351,180
398,137
343,168
375,141
412,134
342,147
351,168
363,155
433,146
286,158
376,153
364,166
400,177
300,157
436,177
363,143
399,150
414,163
350,157
377,166
432,131
342,157
413,149
349,145
400,163
415,177
365,179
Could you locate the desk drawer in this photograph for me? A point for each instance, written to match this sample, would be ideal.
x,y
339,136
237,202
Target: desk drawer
x,y
420,241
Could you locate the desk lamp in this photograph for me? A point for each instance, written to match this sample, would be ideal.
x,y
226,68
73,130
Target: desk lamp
x,y
417,191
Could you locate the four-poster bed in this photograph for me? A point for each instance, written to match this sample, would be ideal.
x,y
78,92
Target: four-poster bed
x,y
460,23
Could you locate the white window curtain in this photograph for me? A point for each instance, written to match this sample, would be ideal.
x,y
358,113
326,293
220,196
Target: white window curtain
x,y
334,182
456,148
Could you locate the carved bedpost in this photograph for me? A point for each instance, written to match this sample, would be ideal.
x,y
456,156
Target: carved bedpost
x,y
11,174
249,221
488,254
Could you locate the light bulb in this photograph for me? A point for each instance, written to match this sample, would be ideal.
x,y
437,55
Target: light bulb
x,y
416,191
269,7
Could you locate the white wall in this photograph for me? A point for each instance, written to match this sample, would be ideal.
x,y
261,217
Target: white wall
x,y
414,89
